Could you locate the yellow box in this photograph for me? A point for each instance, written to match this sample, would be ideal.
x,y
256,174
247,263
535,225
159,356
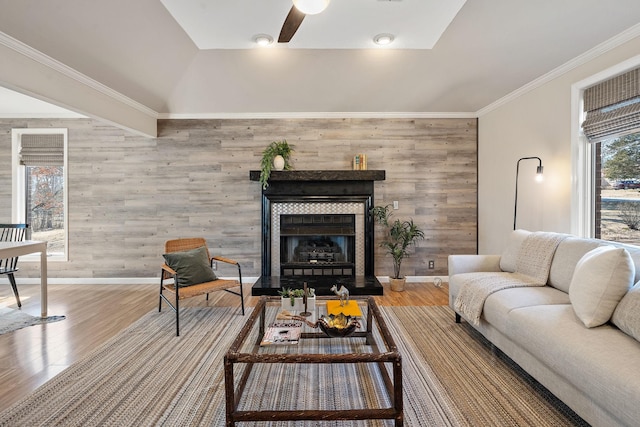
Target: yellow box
x,y
350,308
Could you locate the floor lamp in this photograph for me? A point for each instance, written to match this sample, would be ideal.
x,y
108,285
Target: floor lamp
x,y
538,178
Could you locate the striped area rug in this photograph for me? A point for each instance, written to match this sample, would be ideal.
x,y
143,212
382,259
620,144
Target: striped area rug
x,y
147,376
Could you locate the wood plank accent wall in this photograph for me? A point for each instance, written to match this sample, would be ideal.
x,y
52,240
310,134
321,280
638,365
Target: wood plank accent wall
x,y
128,194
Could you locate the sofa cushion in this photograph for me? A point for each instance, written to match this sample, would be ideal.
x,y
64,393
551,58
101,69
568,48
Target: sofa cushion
x,y
498,305
627,313
634,251
567,255
192,266
603,362
602,277
510,253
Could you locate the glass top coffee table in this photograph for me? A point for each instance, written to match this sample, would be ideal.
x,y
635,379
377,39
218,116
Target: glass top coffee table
x,y
358,377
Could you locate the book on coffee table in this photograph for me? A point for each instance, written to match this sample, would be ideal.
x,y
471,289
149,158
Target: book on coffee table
x,y
350,308
282,333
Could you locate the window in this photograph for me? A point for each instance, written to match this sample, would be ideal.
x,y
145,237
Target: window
x,y
607,156
617,192
40,186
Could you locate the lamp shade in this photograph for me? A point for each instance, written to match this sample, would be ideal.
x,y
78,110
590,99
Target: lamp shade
x,y
311,7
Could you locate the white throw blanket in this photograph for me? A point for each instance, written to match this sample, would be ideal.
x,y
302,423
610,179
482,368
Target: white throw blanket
x,y
533,263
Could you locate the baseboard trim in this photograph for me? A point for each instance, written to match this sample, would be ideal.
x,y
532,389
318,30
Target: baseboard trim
x,y
103,280
416,279
155,280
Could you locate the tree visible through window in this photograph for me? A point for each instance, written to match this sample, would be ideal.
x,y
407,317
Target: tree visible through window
x,y
45,205
618,191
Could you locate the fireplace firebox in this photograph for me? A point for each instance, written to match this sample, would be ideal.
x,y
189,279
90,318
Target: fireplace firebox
x,y
316,228
317,245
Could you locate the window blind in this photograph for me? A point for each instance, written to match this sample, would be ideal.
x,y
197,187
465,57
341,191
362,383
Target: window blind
x,y
613,107
42,149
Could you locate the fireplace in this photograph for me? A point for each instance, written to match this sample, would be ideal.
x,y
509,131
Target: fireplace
x,y
317,245
316,228
317,238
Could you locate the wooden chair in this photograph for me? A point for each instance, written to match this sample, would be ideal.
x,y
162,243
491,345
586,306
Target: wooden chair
x,y
8,266
183,292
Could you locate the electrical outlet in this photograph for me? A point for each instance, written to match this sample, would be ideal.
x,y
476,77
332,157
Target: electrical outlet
x,y
214,265
432,264
395,204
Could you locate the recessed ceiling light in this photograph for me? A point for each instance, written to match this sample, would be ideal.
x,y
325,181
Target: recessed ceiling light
x,y
263,39
383,39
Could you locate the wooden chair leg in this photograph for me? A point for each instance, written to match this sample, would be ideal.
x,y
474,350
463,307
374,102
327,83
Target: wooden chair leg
x,y
12,280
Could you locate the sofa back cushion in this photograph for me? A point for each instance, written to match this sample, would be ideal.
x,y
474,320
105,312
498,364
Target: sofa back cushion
x,y
627,313
634,251
567,255
602,277
509,256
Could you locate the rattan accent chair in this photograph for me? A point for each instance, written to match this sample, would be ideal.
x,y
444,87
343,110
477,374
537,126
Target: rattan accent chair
x,y
8,266
184,292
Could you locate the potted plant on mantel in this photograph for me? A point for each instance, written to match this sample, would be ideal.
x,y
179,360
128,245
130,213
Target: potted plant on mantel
x,y
275,156
399,237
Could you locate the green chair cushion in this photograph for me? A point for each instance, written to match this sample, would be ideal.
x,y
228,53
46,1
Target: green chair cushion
x,y
192,266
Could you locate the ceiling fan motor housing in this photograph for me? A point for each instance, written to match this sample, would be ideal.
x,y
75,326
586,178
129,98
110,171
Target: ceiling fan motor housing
x,y
311,7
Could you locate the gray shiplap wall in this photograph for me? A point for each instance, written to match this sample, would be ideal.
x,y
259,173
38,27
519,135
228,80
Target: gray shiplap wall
x,y
128,194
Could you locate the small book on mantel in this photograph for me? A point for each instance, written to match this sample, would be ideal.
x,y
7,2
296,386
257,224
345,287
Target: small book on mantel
x,y
350,308
282,333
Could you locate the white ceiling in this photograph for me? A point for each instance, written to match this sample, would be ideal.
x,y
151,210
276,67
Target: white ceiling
x,y
16,105
489,49
345,24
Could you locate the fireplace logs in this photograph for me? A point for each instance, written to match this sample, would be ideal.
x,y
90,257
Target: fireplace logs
x,y
322,249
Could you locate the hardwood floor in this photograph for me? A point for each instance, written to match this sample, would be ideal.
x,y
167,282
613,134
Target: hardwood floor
x,y
94,313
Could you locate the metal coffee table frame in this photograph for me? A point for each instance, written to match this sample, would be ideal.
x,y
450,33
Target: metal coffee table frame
x,y
393,385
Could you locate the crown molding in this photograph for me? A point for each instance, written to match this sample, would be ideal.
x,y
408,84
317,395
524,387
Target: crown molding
x,y
47,61
316,115
591,54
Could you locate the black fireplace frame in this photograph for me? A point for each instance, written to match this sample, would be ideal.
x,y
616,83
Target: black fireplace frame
x,y
318,187
266,225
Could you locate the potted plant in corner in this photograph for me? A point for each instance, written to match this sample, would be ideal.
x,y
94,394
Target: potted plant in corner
x,y
398,239
275,156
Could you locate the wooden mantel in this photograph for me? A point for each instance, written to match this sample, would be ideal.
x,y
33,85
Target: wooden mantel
x,y
322,175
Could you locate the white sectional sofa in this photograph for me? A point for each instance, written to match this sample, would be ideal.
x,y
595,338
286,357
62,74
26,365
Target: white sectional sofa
x,y
578,333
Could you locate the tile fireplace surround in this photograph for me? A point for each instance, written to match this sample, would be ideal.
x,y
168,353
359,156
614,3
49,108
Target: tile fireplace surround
x,y
318,192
